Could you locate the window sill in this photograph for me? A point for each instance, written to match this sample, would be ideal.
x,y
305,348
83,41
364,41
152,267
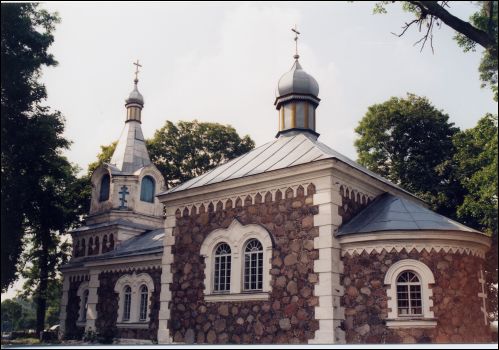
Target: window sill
x,y
236,297
133,325
412,323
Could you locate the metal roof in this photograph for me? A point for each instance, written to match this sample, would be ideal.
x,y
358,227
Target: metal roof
x,y
297,81
131,152
392,213
121,222
290,149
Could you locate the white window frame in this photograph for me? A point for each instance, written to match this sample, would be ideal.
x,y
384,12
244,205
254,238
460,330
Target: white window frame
x,y
135,281
236,236
82,317
427,318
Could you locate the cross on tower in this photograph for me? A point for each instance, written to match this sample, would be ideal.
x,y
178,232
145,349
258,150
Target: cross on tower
x,y
295,30
123,193
137,65
483,295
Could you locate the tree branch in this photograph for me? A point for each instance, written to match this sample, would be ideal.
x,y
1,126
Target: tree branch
x,y
479,36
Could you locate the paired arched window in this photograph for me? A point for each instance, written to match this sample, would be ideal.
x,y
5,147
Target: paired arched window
x,y
409,301
221,278
144,296
253,266
90,246
127,303
147,189
105,184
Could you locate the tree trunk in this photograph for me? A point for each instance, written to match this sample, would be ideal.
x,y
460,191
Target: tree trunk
x,y
41,302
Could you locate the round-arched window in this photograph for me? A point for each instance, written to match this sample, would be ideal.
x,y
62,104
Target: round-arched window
x,y
409,301
144,294
104,188
147,189
221,278
253,265
127,303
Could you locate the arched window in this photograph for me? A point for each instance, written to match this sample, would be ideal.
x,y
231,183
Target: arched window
x,y
104,188
253,265
144,294
221,277
104,244
127,301
111,242
83,247
90,246
85,305
409,301
76,252
97,248
147,189
410,298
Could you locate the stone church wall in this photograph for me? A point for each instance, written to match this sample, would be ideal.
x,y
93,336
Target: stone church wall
x,y
107,307
288,315
455,299
73,331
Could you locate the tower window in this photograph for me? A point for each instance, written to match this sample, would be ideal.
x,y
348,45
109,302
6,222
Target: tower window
x,y
104,188
147,189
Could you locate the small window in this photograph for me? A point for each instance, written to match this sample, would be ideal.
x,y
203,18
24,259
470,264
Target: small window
x,y
221,276
104,188
85,305
409,302
144,294
147,189
253,266
83,247
104,244
127,300
90,246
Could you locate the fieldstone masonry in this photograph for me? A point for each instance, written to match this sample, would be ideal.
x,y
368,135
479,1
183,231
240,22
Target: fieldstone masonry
x,y
455,299
289,314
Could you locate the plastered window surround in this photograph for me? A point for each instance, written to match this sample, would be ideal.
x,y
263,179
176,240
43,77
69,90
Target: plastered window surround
x,y
426,319
236,236
135,282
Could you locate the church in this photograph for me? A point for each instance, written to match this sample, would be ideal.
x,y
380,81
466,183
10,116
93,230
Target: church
x,y
289,243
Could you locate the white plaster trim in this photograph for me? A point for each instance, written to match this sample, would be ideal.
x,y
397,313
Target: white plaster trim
x,y
236,236
135,281
425,276
93,286
236,297
470,243
329,267
411,323
64,306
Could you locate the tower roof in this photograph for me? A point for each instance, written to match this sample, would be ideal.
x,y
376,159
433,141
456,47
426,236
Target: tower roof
x,y
297,81
135,96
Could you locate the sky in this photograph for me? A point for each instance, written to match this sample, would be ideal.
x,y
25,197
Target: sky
x,y
220,62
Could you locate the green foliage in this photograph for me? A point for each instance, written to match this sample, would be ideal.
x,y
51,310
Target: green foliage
x,y
407,140
27,32
18,314
189,149
104,156
482,24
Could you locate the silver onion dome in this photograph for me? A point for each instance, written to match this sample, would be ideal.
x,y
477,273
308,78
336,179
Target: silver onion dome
x,y
135,96
297,81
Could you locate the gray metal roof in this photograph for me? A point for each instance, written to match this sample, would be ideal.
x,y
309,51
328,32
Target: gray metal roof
x,y
150,242
392,213
131,152
290,149
121,222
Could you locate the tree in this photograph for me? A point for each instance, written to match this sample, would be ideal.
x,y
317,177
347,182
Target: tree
x,y
26,36
188,149
11,315
407,140
481,30
476,165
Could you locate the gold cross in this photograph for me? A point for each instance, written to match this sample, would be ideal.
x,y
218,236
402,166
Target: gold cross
x,y
296,39
137,64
